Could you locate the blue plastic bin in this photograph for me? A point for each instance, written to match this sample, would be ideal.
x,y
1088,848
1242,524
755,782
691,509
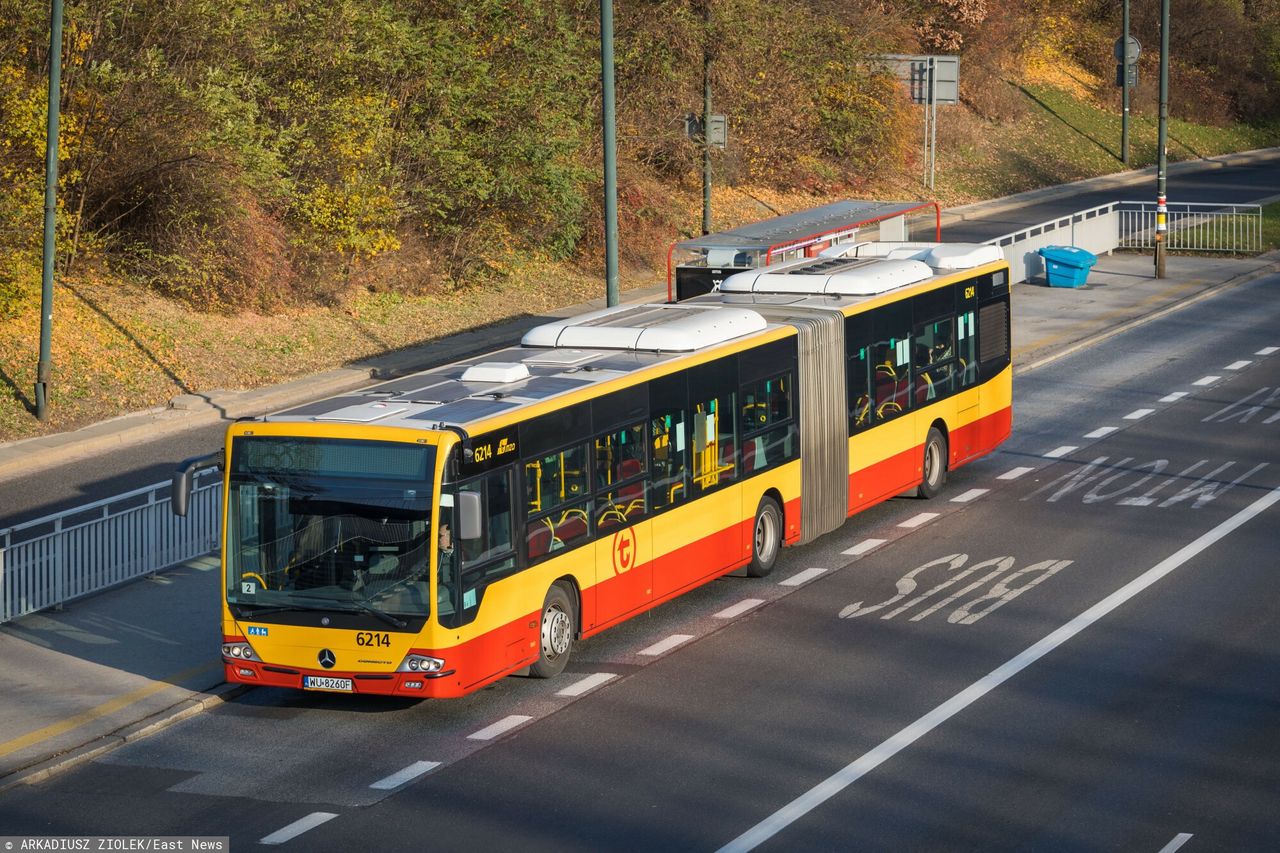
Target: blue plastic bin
x,y
1067,266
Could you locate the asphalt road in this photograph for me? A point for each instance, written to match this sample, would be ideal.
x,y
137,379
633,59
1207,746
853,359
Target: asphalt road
x,y
1077,652
85,481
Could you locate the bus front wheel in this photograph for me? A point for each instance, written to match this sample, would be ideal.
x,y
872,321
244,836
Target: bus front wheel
x,y
766,538
555,634
934,465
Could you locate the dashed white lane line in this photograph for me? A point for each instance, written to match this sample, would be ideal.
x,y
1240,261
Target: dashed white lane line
x,y
916,521
1174,397
1014,473
869,761
663,646
1267,351
1238,365
802,578
298,827
503,726
1178,840
863,547
1059,452
413,771
971,495
738,609
1101,432
1137,414
585,685
1206,380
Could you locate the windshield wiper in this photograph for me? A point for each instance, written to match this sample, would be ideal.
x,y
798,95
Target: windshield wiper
x,y
348,606
381,614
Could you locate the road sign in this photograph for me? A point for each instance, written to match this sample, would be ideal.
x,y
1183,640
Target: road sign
x,y
914,71
1132,76
717,130
1132,52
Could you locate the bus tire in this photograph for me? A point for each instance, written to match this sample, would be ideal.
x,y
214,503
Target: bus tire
x,y
934,465
555,634
766,538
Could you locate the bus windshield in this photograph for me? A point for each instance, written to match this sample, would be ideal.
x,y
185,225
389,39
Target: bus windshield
x,y
329,524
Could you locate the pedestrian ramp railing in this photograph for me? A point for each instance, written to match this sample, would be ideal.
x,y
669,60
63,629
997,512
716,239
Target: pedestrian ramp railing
x,y
55,559
1192,227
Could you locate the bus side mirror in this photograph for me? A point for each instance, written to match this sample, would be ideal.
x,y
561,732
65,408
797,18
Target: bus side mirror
x,y
180,493
469,515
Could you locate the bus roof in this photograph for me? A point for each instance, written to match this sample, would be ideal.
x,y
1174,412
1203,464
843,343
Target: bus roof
x,y
572,355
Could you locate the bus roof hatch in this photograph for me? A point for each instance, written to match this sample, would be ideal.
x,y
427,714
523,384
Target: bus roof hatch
x,y
648,328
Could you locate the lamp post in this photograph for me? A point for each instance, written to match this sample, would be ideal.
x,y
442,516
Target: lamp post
x,y
44,368
1162,209
610,155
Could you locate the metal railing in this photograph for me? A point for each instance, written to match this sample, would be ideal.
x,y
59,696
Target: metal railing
x,y
1193,227
52,560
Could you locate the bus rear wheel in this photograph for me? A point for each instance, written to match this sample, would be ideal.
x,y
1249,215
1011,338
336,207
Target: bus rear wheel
x,y
766,538
934,465
555,634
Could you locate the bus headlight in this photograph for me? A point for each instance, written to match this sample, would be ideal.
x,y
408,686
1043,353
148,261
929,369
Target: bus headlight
x,y
239,651
420,663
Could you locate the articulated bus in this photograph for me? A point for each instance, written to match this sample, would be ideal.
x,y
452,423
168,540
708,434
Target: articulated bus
x,y
432,534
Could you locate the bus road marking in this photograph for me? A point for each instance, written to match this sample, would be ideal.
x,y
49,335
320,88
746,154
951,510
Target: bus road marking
x,y
1174,397
739,608
584,685
503,726
413,771
1178,840
1014,473
1238,365
1267,351
1206,380
1059,452
293,830
863,547
971,495
663,646
802,578
1137,414
855,770
920,519
1102,432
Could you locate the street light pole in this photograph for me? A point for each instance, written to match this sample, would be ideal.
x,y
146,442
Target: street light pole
x,y
1162,209
44,368
610,155
1124,88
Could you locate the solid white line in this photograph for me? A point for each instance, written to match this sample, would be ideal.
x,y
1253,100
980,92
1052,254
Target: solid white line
x,y
413,771
1101,432
503,726
1174,397
1267,351
972,494
802,578
739,608
863,547
1059,452
1138,413
834,784
298,827
1206,380
916,521
663,646
1015,473
1178,840
1238,365
591,682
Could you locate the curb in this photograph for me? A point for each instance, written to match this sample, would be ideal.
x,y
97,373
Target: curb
x,y
1120,328
160,720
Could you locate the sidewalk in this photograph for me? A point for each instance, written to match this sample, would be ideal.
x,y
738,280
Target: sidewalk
x,y
120,665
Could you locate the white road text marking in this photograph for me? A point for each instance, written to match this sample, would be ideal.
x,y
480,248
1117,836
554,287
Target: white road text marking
x,y
298,827
852,772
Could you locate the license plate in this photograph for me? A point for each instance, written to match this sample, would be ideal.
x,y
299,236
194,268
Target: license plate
x,y
321,682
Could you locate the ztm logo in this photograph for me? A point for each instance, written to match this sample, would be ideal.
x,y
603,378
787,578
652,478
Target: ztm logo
x,y
624,551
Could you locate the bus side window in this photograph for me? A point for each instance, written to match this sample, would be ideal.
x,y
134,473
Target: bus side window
x,y
669,436
966,356
891,360
715,451
620,477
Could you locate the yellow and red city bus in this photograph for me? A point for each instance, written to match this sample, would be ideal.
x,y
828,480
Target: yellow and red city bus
x,y
432,534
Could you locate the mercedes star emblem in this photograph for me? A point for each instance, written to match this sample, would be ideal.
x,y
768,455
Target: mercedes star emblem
x,y
327,660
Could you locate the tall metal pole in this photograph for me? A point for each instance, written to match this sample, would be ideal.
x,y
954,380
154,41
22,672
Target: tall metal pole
x,y
706,121
44,368
1124,88
933,119
610,155
1162,209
